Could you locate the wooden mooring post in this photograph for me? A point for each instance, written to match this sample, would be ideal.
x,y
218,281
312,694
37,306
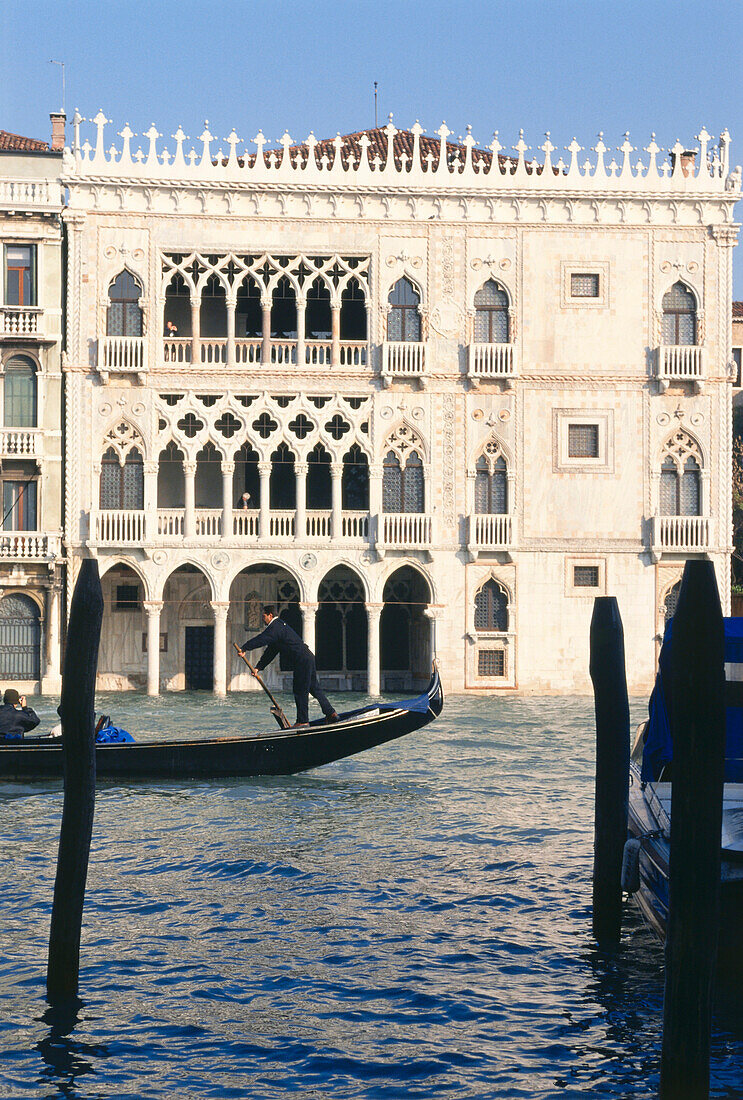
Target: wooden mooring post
x,y
608,674
698,732
77,711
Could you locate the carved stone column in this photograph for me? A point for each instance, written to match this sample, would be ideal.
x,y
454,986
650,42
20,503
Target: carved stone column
x,y
301,331
231,304
433,614
309,610
153,608
266,345
300,522
228,470
376,471
335,333
374,665
195,331
220,646
264,472
189,520
336,518
150,500
52,657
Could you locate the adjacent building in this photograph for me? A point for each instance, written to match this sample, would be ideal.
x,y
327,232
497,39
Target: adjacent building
x,y
425,397
32,563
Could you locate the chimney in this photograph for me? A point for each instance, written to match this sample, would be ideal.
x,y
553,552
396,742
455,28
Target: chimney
x,y
688,159
58,124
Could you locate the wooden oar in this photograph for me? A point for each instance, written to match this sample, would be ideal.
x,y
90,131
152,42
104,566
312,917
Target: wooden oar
x,y
276,710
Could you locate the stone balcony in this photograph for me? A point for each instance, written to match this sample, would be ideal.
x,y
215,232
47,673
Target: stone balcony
x,y
30,194
491,363
403,361
123,354
680,534
677,363
404,531
21,442
29,546
313,354
490,532
170,526
22,322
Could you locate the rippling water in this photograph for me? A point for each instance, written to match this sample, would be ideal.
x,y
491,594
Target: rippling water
x,y
410,922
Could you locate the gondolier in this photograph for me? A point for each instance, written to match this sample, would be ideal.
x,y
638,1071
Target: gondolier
x,y
278,638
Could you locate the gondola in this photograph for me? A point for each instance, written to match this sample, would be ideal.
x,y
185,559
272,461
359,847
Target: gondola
x,y
283,752
649,823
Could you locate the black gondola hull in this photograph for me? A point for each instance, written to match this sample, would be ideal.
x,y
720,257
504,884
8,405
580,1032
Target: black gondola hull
x,y
282,753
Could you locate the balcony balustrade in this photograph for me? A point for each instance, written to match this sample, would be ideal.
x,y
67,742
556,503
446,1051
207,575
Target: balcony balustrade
x,y
29,546
121,527
680,363
21,321
404,531
491,362
21,442
681,533
118,527
490,532
28,194
249,352
402,360
121,353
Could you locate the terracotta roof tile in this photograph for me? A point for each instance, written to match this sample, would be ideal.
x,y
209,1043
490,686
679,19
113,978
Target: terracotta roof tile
x,y
14,143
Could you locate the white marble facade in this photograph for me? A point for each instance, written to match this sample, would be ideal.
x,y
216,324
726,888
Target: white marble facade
x,y
464,393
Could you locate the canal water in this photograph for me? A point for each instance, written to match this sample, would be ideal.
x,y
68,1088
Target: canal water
x,y
410,922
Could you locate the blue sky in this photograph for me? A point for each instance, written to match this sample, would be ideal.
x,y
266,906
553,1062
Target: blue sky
x,y
572,67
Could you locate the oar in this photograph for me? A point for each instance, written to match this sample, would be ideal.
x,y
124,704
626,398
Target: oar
x,y
276,710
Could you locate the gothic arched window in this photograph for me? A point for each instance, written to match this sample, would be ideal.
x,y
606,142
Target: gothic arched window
x,y
122,486
680,477
679,315
670,603
124,315
491,315
404,319
402,485
491,607
491,482
20,393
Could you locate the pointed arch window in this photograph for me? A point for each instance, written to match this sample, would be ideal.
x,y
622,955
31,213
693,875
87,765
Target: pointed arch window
x,y
681,478
679,315
670,603
491,608
20,402
122,485
491,482
124,315
402,485
404,319
491,315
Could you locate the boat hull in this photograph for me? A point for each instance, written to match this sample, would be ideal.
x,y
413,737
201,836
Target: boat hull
x,y
284,752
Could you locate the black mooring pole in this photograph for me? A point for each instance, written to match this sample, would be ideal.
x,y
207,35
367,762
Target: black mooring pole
x,y
612,767
77,711
698,732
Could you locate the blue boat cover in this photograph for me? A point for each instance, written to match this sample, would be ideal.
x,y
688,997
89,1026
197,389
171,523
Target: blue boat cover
x,y
419,705
658,749
112,735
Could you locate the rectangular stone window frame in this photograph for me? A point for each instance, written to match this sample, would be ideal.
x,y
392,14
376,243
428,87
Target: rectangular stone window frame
x,y
163,642
581,590
486,640
569,268
562,419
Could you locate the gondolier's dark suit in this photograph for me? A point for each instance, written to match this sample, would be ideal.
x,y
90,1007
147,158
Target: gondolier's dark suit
x,y
280,638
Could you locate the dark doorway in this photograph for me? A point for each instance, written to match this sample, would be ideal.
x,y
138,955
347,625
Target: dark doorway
x,y
199,658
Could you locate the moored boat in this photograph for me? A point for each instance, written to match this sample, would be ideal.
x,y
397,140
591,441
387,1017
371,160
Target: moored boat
x,y
282,752
649,824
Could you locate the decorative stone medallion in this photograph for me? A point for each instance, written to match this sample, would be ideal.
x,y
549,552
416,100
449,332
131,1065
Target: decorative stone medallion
x,y
308,561
221,559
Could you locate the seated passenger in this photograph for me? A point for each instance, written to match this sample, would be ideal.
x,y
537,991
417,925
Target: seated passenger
x,y
15,717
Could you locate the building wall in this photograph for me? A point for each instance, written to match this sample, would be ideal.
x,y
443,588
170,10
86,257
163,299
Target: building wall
x,y
574,360
31,560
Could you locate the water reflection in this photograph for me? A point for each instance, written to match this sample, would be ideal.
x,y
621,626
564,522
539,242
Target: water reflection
x,y
66,1059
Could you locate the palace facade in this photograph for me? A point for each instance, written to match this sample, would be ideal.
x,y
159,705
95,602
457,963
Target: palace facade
x,y
424,397
32,560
